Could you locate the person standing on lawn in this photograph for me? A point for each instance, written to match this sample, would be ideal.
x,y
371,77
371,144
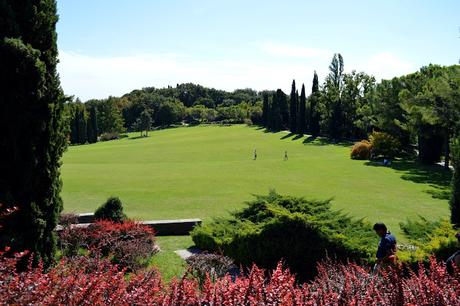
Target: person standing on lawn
x,y
386,252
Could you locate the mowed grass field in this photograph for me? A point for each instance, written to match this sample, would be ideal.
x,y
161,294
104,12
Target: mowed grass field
x,y
207,171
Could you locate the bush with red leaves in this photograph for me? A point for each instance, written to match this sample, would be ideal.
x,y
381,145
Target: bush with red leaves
x,y
83,281
128,244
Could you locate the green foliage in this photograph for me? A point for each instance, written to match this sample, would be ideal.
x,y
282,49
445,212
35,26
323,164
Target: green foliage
x,y
427,238
111,210
361,150
293,106
455,184
383,144
299,231
302,112
314,110
33,125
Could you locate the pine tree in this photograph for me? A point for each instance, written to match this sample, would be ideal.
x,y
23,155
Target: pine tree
x,y
33,129
455,184
301,115
314,116
265,110
293,109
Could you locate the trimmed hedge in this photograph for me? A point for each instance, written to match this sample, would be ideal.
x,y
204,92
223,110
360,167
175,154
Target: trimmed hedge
x,y
296,230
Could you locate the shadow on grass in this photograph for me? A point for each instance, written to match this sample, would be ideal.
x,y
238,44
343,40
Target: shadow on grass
x,y
137,137
434,175
322,141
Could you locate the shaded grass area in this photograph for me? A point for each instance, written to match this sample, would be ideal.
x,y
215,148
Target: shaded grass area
x,y
168,263
206,171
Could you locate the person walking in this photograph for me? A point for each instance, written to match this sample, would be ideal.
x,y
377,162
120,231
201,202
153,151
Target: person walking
x,y
255,154
285,156
386,251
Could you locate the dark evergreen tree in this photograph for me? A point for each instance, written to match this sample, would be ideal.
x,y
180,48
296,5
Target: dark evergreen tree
x,y
455,197
92,125
277,119
284,109
314,114
265,110
301,115
293,102
82,124
32,125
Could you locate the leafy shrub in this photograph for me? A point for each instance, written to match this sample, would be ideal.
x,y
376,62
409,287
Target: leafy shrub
x,y
361,150
384,144
428,238
96,282
72,239
299,231
128,244
109,136
112,210
210,265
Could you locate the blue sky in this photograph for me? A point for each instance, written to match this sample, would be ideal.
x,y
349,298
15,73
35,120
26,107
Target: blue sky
x,y
112,47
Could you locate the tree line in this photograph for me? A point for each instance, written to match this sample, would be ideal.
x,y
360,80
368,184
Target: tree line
x,y
421,109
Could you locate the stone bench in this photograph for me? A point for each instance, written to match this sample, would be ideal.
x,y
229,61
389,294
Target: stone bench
x,y
178,227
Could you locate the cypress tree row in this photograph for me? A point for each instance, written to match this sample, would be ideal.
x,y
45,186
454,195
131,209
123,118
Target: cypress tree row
x,y
301,116
293,109
314,116
33,130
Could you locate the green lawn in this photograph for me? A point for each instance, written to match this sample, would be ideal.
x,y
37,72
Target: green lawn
x,y
206,171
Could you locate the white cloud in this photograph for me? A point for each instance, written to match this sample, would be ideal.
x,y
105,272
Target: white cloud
x,y
386,65
98,77
295,51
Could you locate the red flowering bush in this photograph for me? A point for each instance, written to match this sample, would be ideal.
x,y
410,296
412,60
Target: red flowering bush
x,y
128,244
93,281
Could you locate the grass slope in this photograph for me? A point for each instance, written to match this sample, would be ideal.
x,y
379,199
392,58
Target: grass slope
x,y
206,171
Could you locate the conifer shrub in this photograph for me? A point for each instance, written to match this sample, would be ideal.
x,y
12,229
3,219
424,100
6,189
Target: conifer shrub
x,y
296,230
427,239
111,210
361,150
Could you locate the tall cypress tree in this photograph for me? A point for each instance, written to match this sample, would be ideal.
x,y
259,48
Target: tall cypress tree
x,y
82,125
293,101
92,125
277,119
284,109
33,129
314,116
265,110
301,115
